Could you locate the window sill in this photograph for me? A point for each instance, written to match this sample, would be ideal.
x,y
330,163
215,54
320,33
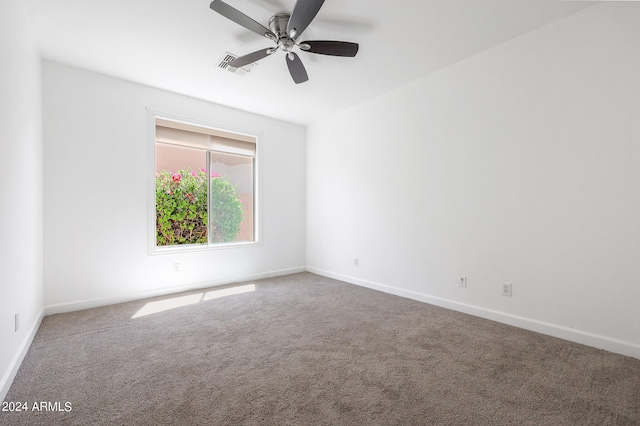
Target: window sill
x,y
177,249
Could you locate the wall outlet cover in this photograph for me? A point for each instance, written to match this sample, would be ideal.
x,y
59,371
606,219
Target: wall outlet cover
x,y
506,289
462,282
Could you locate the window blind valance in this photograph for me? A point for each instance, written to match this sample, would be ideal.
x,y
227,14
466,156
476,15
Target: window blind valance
x,y
188,135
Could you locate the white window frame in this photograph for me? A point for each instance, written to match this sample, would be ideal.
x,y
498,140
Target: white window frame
x,y
154,249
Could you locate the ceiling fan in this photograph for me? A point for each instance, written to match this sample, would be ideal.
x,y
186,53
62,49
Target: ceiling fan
x,y
284,30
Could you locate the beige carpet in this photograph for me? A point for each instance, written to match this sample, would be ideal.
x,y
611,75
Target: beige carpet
x,y
307,350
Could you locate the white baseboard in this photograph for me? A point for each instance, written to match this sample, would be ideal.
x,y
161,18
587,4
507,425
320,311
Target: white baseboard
x,y
7,380
94,303
578,336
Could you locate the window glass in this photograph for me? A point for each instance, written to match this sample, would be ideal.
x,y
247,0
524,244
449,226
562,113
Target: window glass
x,y
231,174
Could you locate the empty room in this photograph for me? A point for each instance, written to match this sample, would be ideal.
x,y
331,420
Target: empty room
x,y
311,212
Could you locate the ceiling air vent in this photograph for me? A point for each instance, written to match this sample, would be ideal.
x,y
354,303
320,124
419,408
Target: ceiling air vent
x,y
228,57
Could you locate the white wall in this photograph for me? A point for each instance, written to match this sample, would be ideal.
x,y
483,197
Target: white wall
x,y
520,165
97,170
20,189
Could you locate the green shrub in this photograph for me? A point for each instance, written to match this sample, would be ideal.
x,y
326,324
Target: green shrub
x,y
181,208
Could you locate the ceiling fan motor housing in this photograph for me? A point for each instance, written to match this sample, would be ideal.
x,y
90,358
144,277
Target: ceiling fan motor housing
x,y
278,24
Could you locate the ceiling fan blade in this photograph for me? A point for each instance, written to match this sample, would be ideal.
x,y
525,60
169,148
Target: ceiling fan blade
x,y
241,19
296,69
303,13
251,57
333,48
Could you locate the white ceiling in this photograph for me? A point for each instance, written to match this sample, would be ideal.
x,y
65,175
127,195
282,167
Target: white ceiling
x,y
177,44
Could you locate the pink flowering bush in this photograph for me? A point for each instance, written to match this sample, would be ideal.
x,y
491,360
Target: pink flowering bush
x,y
181,208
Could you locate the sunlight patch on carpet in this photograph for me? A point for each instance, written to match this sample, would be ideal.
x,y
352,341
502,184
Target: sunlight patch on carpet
x,y
191,299
216,294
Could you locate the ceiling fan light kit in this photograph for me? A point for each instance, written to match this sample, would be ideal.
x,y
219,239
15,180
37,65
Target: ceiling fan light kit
x,y
284,30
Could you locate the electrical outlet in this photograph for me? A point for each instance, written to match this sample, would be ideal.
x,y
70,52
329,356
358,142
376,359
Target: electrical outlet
x,y
356,262
17,322
462,282
506,289
176,267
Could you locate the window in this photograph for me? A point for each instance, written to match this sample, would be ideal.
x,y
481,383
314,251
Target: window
x,y
204,186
